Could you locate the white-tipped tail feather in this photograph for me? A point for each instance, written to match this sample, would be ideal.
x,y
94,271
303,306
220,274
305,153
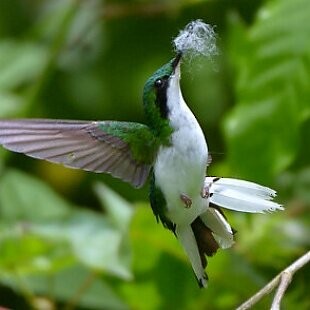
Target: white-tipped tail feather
x,y
221,230
210,230
240,195
207,233
190,245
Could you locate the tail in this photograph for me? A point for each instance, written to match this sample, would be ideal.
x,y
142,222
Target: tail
x,y
240,195
210,230
204,236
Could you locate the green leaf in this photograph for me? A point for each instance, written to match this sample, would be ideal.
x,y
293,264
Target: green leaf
x,y
25,198
37,215
159,264
24,253
93,240
43,237
272,91
279,236
20,63
9,104
77,282
118,209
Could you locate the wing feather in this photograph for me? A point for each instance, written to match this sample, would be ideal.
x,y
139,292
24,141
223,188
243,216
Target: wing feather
x,y
79,144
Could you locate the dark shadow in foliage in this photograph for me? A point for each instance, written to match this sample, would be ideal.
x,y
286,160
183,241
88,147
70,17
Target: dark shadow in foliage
x,y
172,278
8,298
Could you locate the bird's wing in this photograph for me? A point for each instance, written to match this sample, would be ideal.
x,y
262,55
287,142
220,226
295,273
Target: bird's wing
x,y
159,204
123,149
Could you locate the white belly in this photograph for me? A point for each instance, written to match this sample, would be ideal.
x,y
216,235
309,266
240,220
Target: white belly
x,y
181,169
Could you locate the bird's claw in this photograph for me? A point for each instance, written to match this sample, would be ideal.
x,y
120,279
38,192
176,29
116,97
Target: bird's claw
x,y
186,200
205,191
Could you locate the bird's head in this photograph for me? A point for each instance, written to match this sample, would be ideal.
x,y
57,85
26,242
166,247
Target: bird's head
x,y
161,91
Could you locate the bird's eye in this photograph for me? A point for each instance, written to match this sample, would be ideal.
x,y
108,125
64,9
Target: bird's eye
x,y
158,83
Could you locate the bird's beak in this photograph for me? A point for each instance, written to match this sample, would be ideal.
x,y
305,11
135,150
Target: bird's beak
x,y
176,67
174,90
176,61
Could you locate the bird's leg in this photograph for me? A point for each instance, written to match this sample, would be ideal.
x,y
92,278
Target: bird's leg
x,y
205,191
209,160
186,200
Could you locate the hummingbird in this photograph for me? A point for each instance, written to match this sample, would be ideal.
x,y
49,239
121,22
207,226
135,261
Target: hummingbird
x,y
170,150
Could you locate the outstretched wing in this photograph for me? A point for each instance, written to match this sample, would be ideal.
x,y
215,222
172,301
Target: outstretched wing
x,y
123,149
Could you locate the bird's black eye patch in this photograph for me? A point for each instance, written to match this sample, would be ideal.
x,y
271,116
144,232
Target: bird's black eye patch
x,y
158,83
161,82
161,85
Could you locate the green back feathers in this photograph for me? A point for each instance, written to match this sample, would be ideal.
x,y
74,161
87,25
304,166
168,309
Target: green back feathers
x,y
159,204
143,144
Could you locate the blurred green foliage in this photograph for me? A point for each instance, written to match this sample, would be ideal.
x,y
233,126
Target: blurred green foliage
x,y
66,240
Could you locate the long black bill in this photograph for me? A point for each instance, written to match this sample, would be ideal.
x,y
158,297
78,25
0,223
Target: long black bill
x,y
176,60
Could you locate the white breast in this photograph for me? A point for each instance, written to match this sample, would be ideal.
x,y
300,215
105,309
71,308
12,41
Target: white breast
x,y
181,167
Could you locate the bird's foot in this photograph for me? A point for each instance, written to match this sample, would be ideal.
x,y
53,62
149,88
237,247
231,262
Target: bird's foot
x,y
209,160
205,191
186,200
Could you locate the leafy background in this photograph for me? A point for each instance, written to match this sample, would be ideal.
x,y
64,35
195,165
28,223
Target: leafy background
x,y
76,240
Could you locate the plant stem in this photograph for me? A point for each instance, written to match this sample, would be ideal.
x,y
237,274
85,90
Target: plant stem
x,y
80,291
283,279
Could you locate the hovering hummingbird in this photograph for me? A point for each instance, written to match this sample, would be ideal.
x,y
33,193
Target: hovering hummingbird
x,y
170,149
